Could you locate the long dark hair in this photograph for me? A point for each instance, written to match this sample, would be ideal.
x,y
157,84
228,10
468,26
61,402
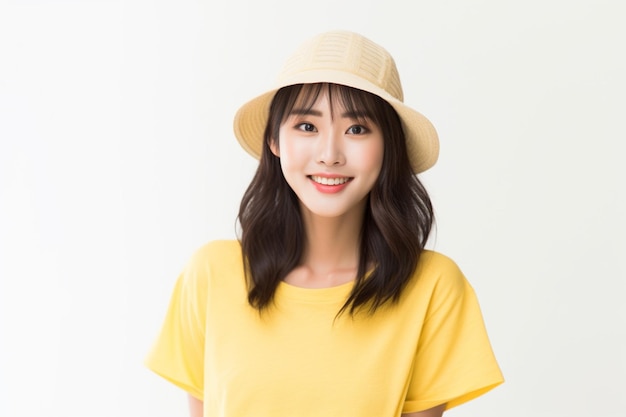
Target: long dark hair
x,y
396,225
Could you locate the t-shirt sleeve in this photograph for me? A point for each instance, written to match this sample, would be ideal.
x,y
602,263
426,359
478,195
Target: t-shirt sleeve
x,y
454,362
178,352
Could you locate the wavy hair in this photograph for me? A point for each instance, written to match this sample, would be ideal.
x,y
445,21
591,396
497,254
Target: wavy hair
x,y
396,224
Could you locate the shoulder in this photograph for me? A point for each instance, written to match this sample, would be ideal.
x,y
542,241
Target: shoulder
x,y
218,248
436,266
216,252
437,274
435,260
214,259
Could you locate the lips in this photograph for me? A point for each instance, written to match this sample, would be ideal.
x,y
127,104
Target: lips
x,y
329,180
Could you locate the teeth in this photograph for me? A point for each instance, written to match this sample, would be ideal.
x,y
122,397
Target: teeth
x,y
329,181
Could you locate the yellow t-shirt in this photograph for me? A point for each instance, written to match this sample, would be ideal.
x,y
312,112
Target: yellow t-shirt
x,y
297,360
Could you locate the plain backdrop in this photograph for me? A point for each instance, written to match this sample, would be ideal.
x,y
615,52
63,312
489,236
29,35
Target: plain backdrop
x,y
117,161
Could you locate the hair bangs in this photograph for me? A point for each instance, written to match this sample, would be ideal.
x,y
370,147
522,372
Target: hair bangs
x,y
358,104
301,97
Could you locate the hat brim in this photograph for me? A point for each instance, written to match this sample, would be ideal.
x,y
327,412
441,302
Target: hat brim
x,y
422,142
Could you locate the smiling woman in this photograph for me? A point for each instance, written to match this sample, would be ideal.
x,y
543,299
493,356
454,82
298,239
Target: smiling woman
x,y
329,157
328,304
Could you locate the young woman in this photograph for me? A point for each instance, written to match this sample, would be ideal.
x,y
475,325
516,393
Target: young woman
x,y
328,304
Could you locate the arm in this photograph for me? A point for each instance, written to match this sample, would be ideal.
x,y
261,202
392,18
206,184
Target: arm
x,y
431,412
195,407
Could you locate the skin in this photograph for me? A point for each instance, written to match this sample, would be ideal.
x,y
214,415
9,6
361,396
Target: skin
x,y
337,145
324,143
195,406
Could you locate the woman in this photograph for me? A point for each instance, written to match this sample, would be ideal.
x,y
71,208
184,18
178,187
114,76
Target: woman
x,y
328,304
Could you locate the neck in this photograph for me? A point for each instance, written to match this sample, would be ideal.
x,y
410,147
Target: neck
x,y
332,244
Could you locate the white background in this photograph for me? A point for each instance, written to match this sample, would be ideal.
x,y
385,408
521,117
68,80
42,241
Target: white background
x,y
117,161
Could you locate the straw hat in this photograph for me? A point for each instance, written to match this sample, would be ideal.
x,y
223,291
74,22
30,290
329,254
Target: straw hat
x,y
349,59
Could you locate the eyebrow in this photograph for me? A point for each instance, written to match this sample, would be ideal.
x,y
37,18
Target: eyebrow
x,y
306,112
355,115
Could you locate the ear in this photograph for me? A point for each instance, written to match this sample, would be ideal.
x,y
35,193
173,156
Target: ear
x,y
274,147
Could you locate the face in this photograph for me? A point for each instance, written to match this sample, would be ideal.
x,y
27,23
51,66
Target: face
x,y
330,159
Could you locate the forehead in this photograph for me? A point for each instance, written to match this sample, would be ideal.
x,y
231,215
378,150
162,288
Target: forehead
x,y
339,98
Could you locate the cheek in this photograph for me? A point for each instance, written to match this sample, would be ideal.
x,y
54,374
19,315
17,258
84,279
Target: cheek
x,y
371,156
293,152
290,157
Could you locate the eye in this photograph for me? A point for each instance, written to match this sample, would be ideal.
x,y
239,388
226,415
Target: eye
x,y
306,127
357,130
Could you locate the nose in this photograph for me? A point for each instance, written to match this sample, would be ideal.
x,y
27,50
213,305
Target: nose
x,y
330,150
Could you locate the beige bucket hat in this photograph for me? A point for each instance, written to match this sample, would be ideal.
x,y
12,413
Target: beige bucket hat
x,y
346,58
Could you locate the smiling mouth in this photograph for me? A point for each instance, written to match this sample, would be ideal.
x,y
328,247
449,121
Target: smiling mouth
x,y
330,181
